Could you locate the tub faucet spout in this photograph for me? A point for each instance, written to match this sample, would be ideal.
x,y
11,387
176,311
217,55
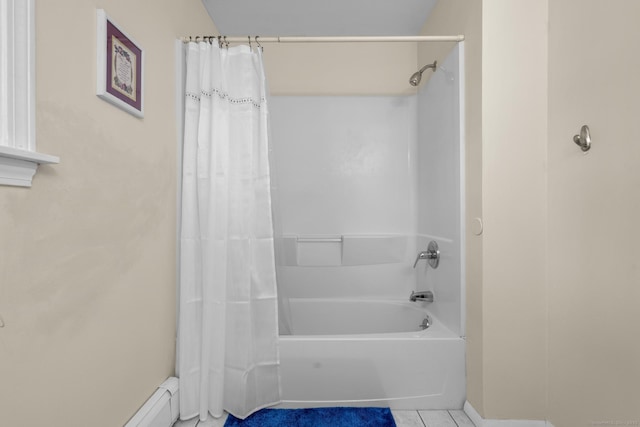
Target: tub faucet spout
x,y
421,296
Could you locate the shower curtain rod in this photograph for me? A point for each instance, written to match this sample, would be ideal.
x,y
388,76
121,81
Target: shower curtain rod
x,y
330,39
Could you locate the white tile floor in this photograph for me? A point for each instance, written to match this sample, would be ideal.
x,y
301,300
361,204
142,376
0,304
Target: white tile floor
x,y
454,418
211,422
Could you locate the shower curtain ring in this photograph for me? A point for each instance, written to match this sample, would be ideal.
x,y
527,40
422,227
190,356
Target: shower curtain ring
x,y
249,37
220,42
259,45
226,42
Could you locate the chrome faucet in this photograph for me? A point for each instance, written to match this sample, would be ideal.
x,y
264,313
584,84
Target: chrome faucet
x,y
421,296
432,255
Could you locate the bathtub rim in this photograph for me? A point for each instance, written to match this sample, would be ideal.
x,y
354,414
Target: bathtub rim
x,y
437,330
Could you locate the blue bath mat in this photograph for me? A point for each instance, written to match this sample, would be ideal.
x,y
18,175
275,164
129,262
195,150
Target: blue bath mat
x,y
316,417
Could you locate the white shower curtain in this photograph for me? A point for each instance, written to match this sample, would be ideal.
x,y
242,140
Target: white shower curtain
x,y
227,353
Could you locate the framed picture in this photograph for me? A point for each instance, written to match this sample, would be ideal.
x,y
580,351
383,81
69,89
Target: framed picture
x,y
120,66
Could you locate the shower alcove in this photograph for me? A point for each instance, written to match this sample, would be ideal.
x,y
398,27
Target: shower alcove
x,y
361,185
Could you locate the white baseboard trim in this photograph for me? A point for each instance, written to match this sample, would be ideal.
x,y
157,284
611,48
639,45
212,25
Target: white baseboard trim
x,y
473,415
481,422
161,409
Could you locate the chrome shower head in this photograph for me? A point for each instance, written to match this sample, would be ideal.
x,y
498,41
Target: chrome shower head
x,y
417,76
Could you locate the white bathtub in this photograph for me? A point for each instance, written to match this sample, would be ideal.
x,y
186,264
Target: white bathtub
x,y
381,358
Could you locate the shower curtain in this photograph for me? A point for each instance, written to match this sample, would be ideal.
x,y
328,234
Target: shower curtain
x,y
227,352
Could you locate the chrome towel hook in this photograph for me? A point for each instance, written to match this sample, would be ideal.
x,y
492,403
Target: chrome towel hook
x,y
583,139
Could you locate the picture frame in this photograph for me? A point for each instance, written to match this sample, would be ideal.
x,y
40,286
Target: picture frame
x,y
120,66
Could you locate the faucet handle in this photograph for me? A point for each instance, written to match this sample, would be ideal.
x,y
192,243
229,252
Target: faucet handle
x,y
432,254
421,255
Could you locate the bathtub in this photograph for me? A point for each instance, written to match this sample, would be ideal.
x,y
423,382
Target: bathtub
x,y
369,353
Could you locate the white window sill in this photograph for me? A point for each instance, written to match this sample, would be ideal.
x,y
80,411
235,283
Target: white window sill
x,y
17,167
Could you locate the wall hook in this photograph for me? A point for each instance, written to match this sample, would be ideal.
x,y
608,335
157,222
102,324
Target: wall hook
x,y
583,139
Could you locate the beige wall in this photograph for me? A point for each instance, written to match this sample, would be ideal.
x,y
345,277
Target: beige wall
x,y
87,272
450,17
340,68
514,132
506,187
594,206
546,208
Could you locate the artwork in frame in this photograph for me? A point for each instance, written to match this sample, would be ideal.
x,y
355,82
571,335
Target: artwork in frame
x,y
120,67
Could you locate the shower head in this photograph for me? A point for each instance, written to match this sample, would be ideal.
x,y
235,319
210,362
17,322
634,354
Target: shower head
x,y
417,76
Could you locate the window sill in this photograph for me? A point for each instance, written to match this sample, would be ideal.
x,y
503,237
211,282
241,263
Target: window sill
x,y
17,167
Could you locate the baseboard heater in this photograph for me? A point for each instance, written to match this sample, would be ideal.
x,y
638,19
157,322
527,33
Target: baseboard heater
x,y
161,409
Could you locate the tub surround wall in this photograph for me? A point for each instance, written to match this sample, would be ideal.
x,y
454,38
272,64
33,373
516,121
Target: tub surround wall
x,y
87,276
342,164
353,208
357,177
465,17
439,191
439,150
343,167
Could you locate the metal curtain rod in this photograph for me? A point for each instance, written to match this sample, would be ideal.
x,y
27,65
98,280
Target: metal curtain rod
x,y
357,39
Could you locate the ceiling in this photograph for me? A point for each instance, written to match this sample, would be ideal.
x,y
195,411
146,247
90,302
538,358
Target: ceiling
x,y
319,17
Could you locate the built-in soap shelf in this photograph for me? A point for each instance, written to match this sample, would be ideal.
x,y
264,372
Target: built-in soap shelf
x,y
340,250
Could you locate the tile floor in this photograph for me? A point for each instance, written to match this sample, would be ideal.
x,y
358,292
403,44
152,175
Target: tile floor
x,y
453,418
